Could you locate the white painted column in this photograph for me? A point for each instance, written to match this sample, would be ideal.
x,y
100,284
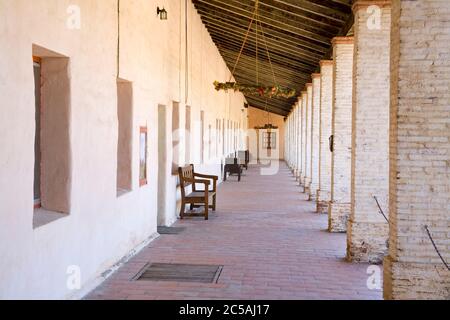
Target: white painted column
x,y
299,140
303,146
326,93
315,136
308,136
367,229
341,157
419,152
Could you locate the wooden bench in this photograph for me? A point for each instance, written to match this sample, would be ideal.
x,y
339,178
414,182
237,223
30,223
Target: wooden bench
x,y
206,197
232,166
244,157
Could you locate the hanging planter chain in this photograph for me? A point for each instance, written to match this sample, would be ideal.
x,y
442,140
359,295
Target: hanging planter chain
x,y
256,90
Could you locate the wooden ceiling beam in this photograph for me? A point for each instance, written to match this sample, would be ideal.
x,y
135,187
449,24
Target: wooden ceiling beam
x,y
275,56
272,44
265,21
242,26
302,19
248,62
314,9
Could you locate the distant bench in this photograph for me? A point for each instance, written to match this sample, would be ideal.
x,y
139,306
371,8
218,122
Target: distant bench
x,y
234,164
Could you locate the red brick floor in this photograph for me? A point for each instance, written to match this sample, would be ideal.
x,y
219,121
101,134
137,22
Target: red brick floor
x,y
269,240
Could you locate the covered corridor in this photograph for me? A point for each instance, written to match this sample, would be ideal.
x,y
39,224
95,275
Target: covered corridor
x,y
269,240
110,105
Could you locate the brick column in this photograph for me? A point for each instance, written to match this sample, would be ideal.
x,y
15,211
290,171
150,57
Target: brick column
x,y
326,92
289,140
339,207
298,137
419,151
294,142
308,136
304,117
367,229
315,136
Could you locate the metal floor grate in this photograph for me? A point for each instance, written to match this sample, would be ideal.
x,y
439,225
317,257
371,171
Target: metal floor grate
x,y
179,273
170,230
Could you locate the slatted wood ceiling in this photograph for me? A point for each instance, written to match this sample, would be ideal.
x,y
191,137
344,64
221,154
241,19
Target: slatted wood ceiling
x,y
298,34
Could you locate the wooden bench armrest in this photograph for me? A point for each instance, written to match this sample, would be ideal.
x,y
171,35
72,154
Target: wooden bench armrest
x,y
213,178
204,181
206,176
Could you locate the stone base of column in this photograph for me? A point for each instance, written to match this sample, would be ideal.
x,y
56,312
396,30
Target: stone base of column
x,y
307,185
415,281
367,241
338,215
322,201
312,194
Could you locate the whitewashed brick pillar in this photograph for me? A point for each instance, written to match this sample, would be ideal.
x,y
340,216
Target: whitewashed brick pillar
x,y
341,157
308,136
298,136
315,136
288,140
419,151
294,141
326,93
367,229
287,144
304,117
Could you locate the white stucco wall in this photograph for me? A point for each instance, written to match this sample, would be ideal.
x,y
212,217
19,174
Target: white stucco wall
x,y
259,118
101,227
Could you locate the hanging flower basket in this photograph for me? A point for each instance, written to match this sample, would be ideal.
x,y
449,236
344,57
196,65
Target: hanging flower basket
x,y
252,90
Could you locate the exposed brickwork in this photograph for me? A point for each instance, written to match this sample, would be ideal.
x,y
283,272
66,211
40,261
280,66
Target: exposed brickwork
x,y
419,151
338,215
294,138
326,93
370,159
298,125
304,117
267,238
339,207
308,136
315,136
364,241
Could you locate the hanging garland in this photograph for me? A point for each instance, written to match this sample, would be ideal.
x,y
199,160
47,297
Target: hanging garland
x,y
253,90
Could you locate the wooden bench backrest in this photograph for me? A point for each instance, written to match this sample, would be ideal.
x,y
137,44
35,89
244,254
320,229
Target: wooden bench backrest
x,y
186,172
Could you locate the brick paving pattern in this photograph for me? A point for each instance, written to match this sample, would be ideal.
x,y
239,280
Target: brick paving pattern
x,y
268,238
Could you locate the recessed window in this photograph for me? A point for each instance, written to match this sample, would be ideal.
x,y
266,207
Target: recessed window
x,y
52,163
175,137
209,141
37,138
202,136
143,144
269,140
125,136
187,136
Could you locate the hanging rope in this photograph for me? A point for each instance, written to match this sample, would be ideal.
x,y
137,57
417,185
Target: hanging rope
x,y
243,45
428,233
268,54
436,248
381,210
257,89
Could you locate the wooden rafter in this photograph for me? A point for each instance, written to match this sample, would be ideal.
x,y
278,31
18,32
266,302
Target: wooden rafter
x,y
298,34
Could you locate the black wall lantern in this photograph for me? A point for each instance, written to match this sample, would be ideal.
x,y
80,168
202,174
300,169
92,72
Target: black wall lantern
x,y
162,13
